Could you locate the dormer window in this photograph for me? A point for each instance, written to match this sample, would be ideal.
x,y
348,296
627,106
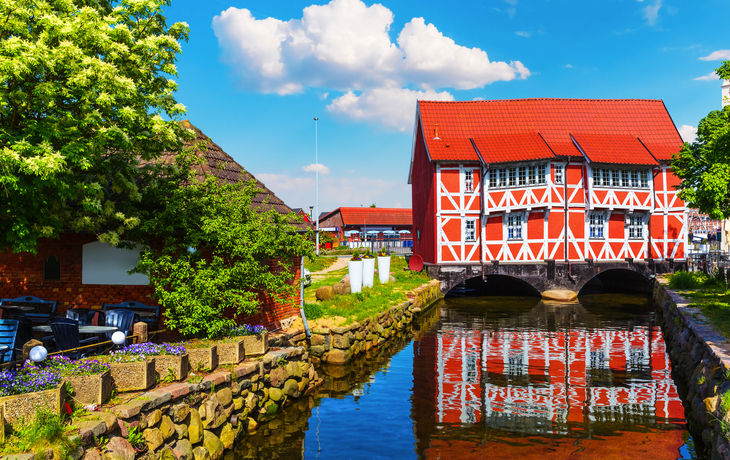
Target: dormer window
x,y
468,181
625,178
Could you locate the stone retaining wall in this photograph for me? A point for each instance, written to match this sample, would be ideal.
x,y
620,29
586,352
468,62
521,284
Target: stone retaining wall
x,y
203,420
701,357
338,345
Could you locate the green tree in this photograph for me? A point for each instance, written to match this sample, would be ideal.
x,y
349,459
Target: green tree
x,y
84,86
210,252
704,166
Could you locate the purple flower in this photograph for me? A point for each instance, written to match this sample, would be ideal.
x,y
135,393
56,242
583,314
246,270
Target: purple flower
x,y
244,329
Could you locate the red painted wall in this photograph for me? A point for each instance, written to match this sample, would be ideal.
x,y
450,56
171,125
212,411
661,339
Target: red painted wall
x,y
424,202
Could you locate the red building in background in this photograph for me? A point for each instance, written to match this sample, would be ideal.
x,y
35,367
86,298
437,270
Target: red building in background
x,y
545,179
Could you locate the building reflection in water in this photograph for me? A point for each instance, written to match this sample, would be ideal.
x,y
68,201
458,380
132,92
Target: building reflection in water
x,y
549,369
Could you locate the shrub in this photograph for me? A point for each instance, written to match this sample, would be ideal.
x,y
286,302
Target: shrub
x,y
313,311
355,255
686,280
46,431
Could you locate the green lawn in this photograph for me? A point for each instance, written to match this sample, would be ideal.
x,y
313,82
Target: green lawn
x,y
318,263
709,294
358,306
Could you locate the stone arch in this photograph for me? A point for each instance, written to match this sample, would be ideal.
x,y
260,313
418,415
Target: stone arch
x,y
627,280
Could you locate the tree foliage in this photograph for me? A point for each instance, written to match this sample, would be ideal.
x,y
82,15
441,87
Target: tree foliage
x,y
84,86
704,166
210,251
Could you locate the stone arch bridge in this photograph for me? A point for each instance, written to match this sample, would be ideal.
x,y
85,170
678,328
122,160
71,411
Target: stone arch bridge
x,y
551,275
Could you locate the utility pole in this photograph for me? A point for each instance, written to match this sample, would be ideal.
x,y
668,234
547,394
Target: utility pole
x,y
316,182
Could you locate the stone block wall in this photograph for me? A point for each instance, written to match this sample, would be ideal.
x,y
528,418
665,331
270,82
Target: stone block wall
x,y
701,358
203,420
338,345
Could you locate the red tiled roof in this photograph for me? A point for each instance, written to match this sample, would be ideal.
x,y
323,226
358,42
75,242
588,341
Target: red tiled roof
x,y
453,149
374,216
553,119
616,148
512,147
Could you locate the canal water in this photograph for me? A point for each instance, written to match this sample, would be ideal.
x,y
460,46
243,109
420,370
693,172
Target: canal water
x,y
496,377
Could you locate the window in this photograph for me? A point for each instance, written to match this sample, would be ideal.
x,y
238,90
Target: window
x,y
468,181
644,178
559,174
596,225
615,178
502,177
493,178
532,175
540,174
512,177
635,178
52,269
470,230
636,226
514,227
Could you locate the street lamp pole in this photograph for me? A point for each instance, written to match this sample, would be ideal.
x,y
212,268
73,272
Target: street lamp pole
x,y
316,181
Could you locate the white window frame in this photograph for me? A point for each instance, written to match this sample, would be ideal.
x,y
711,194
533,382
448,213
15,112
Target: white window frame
x,y
644,178
559,174
470,234
468,181
515,231
493,178
635,224
541,174
596,229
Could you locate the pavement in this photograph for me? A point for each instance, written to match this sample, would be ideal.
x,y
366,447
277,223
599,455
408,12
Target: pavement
x,y
340,263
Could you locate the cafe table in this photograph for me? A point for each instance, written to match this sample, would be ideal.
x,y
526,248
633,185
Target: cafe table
x,y
82,329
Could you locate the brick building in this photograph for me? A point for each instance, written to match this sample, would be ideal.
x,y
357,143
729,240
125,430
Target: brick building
x,y
79,271
545,179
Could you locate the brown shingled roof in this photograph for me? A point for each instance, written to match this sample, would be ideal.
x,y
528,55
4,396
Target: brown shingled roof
x,y
221,165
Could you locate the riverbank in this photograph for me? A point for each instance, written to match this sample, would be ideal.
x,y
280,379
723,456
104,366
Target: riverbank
x,y
701,357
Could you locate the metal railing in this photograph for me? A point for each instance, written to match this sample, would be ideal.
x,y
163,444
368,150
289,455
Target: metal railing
x,y
401,246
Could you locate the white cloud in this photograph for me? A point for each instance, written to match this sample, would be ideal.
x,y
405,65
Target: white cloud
x,y
651,12
283,182
523,33
709,76
717,55
511,2
568,66
478,98
324,170
393,107
688,133
345,46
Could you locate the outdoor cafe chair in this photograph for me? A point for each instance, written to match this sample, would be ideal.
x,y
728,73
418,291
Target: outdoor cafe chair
x,y
121,319
145,313
44,309
85,316
67,337
8,334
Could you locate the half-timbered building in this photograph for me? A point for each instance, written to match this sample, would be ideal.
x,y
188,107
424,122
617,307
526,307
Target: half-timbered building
x,y
545,179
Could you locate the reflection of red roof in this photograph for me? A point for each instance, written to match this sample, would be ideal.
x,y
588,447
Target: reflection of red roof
x,y
374,216
513,147
616,148
554,119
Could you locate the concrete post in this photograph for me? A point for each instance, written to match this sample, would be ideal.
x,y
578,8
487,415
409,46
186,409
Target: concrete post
x,y
140,330
27,346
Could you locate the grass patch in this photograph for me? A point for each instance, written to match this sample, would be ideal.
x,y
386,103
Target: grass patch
x,y
708,293
47,431
358,306
316,264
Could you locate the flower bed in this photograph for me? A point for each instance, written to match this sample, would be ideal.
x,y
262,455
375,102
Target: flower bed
x,y
90,382
254,338
202,356
130,372
230,352
170,360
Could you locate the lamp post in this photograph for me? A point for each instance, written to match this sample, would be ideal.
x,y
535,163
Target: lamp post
x,y
316,182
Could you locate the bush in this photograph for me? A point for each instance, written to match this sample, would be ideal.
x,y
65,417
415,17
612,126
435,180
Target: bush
x,y
47,431
313,311
687,280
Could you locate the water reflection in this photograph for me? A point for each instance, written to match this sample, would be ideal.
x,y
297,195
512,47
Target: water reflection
x,y
498,378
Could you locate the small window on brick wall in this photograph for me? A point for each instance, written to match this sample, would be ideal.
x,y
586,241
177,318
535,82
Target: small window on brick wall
x,y
52,269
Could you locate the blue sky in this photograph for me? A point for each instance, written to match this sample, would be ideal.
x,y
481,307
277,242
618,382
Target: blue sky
x,y
254,74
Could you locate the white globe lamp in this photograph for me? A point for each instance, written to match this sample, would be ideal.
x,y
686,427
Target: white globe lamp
x,y
38,354
118,338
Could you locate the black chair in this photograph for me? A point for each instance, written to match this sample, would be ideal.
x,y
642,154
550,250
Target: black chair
x,y
11,313
137,307
44,308
121,319
8,334
67,337
85,316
